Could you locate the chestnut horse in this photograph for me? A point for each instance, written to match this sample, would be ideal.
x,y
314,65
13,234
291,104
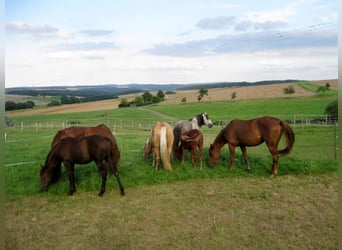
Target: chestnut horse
x,y
71,151
191,140
160,141
249,133
80,131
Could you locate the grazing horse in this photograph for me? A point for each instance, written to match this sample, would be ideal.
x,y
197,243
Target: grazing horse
x,y
191,140
160,141
71,151
80,131
248,133
183,126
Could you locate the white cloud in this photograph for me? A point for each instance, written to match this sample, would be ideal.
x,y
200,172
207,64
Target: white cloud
x,y
36,31
220,22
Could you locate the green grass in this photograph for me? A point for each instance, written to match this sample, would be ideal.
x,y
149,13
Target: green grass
x,y
187,208
313,88
284,108
313,153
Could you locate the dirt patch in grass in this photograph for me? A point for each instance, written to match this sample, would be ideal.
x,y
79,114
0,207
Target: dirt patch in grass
x,y
288,212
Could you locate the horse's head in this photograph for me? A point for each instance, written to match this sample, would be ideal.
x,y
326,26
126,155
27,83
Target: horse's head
x,y
214,155
45,178
205,120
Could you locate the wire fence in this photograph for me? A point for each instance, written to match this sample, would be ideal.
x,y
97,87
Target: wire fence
x,y
126,123
44,131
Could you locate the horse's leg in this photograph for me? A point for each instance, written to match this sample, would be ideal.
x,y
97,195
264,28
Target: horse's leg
x,y
182,149
71,176
102,166
200,148
232,155
116,173
156,157
245,156
194,155
274,152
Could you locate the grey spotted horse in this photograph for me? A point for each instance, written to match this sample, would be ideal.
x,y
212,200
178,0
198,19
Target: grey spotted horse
x,y
183,126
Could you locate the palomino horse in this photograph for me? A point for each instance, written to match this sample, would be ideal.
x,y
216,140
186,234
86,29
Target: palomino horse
x,y
71,151
191,140
183,126
248,133
80,131
160,141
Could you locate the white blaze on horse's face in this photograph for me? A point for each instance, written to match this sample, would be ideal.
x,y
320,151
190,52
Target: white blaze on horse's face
x,y
206,120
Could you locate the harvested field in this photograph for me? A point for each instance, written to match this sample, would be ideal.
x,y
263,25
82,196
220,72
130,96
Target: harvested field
x,y
217,94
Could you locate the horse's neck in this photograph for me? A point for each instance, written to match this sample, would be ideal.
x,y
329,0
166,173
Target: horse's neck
x,y
194,123
220,140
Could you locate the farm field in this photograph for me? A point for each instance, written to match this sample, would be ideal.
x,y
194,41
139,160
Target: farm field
x,y
187,208
216,94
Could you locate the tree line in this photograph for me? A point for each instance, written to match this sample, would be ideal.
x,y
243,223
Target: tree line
x,y
145,99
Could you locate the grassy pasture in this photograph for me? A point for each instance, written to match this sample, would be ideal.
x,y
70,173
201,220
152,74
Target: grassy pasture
x,y
187,208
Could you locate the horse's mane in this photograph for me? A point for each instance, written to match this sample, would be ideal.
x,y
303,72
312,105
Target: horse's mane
x,y
198,120
56,167
220,139
56,137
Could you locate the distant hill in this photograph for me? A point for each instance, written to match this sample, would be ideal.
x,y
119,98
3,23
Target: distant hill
x,y
111,91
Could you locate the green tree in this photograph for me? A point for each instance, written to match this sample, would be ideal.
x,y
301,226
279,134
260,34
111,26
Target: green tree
x,y
147,96
160,94
183,100
332,109
202,92
288,91
324,88
233,96
139,101
124,103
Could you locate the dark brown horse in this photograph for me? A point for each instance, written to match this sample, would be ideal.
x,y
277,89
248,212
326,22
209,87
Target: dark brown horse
x,y
249,133
71,151
191,140
80,131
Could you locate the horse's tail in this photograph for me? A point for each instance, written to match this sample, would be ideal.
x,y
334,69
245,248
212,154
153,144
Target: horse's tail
x,y
114,154
194,136
290,138
164,152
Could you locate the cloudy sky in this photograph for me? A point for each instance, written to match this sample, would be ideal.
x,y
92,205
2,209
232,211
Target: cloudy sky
x,y
85,42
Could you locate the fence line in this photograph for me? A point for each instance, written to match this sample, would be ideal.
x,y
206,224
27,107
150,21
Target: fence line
x,y
145,126
114,124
